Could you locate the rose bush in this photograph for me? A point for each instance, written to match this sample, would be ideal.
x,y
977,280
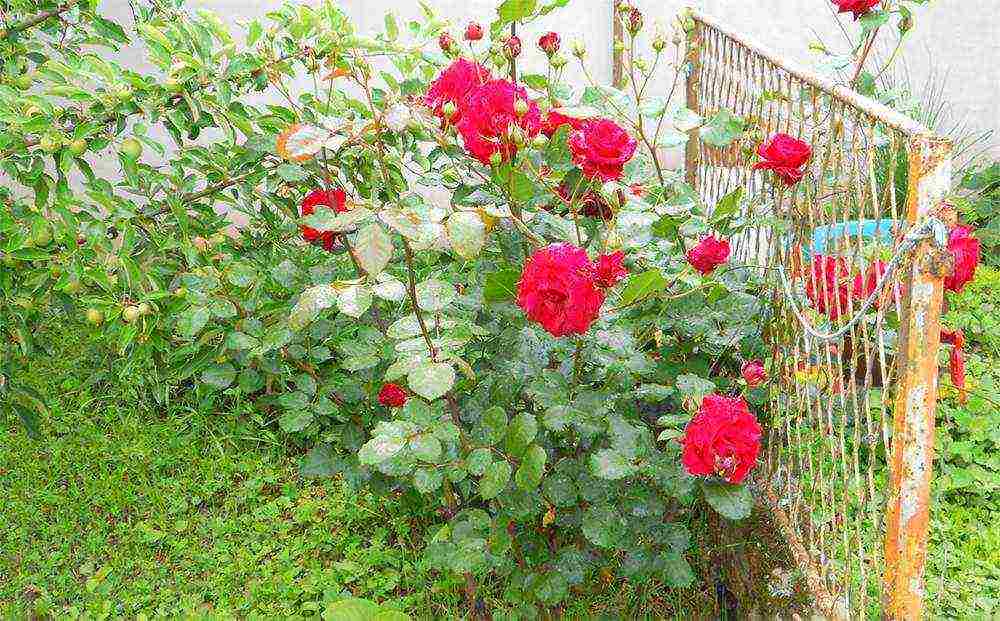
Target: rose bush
x,y
439,274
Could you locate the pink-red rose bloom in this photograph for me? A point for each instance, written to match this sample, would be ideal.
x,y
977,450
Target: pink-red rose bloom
x,y
753,373
334,199
454,85
608,269
601,149
723,439
965,249
473,32
857,7
828,285
488,117
549,43
956,361
392,396
554,119
786,156
709,254
558,290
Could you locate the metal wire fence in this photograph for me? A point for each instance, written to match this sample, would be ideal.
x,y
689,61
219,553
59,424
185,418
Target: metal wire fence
x,y
850,426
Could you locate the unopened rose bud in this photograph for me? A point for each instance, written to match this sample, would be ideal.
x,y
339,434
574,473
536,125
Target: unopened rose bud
x,y
634,21
579,49
640,64
449,109
659,41
905,24
517,136
559,61
540,141
445,42
496,159
473,32
520,107
512,47
549,43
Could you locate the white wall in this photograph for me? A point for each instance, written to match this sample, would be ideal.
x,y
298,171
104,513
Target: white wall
x,y
956,40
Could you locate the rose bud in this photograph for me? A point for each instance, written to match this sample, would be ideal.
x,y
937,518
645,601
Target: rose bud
x,y
753,373
520,107
540,141
559,61
634,21
445,42
449,109
549,43
496,159
579,49
512,47
473,32
392,396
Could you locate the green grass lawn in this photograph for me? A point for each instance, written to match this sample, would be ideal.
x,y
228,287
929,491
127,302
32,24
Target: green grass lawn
x,y
124,509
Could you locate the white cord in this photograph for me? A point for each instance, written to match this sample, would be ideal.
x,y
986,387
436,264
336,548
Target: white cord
x,y
931,227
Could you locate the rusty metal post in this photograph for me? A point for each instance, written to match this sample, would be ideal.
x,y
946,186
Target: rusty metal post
x,y
692,153
617,46
907,513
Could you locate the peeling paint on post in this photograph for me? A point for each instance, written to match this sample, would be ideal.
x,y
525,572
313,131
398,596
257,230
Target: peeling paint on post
x,y
913,420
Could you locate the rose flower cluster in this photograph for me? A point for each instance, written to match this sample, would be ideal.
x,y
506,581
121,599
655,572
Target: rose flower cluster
x,y
563,290
494,117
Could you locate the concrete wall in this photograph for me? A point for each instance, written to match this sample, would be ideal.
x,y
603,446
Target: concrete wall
x,y
956,41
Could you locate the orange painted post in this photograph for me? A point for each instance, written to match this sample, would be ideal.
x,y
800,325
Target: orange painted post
x,y
692,154
907,513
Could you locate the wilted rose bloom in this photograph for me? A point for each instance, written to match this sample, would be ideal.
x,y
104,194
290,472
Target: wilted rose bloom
x,y
609,269
965,249
512,46
445,42
601,149
392,396
557,290
549,43
589,203
723,440
753,373
857,7
473,32
786,156
709,254
554,119
335,199
454,85
489,115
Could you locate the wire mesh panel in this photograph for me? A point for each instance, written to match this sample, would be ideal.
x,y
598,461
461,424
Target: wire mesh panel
x,y
855,328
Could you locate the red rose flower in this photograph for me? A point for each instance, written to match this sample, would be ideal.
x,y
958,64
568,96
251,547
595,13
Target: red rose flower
x,y
601,148
392,396
549,43
512,46
489,116
609,269
557,290
454,85
709,254
965,249
786,156
827,286
445,42
753,373
473,32
554,119
723,439
334,199
858,7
